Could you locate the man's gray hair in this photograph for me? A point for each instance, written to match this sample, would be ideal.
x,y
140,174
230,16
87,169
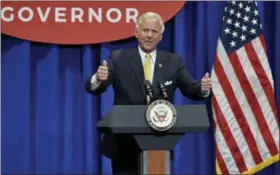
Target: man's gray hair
x,y
150,15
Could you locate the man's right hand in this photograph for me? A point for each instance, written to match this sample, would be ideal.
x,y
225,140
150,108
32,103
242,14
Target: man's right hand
x,y
102,72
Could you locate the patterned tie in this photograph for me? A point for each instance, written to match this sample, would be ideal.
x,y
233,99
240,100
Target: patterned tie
x,y
147,67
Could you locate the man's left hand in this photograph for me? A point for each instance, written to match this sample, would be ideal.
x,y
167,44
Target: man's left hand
x,y
206,82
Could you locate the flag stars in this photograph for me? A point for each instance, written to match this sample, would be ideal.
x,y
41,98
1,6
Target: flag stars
x,y
256,12
240,5
234,34
227,31
248,9
241,24
254,21
253,31
229,21
243,37
244,28
246,18
232,44
231,12
238,15
237,24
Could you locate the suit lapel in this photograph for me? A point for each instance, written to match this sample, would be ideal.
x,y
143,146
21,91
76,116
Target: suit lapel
x,y
137,67
158,70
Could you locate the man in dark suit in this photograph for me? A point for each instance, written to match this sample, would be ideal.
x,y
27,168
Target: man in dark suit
x,y
126,71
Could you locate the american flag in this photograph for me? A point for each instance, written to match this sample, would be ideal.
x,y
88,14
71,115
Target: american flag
x,y
244,109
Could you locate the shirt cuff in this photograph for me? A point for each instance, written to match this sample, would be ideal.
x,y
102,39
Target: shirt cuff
x,y
94,82
205,93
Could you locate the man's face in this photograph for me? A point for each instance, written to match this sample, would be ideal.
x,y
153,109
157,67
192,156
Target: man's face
x,y
149,35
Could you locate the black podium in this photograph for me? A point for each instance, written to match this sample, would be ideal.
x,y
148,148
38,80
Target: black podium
x,y
155,157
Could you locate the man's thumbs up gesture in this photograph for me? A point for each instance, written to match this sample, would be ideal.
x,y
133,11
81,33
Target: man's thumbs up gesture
x,y
102,72
206,82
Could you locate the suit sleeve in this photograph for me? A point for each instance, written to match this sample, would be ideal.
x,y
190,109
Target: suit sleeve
x,y
90,88
188,86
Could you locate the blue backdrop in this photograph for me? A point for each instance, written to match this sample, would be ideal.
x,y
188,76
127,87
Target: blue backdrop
x,y
48,120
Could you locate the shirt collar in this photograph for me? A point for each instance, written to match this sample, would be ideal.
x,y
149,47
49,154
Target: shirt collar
x,y
142,54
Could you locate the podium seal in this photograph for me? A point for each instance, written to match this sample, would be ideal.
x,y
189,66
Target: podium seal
x,y
161,115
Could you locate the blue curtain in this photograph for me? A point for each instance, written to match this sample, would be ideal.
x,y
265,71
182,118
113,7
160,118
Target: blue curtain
x,y
49,121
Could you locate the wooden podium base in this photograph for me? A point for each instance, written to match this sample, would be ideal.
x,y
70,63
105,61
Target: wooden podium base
x,y
155,162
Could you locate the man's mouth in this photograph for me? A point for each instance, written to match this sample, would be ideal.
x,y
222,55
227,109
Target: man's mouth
x,y
148,42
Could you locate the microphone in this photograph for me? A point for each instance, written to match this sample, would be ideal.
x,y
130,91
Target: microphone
x,y
149,91
163,90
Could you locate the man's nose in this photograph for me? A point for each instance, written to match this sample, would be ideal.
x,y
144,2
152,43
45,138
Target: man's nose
x,y
150,34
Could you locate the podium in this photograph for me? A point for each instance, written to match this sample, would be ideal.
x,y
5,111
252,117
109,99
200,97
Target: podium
x,y
156,148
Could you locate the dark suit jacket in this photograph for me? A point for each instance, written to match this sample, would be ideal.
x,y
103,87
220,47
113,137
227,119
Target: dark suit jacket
x,y
126,75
